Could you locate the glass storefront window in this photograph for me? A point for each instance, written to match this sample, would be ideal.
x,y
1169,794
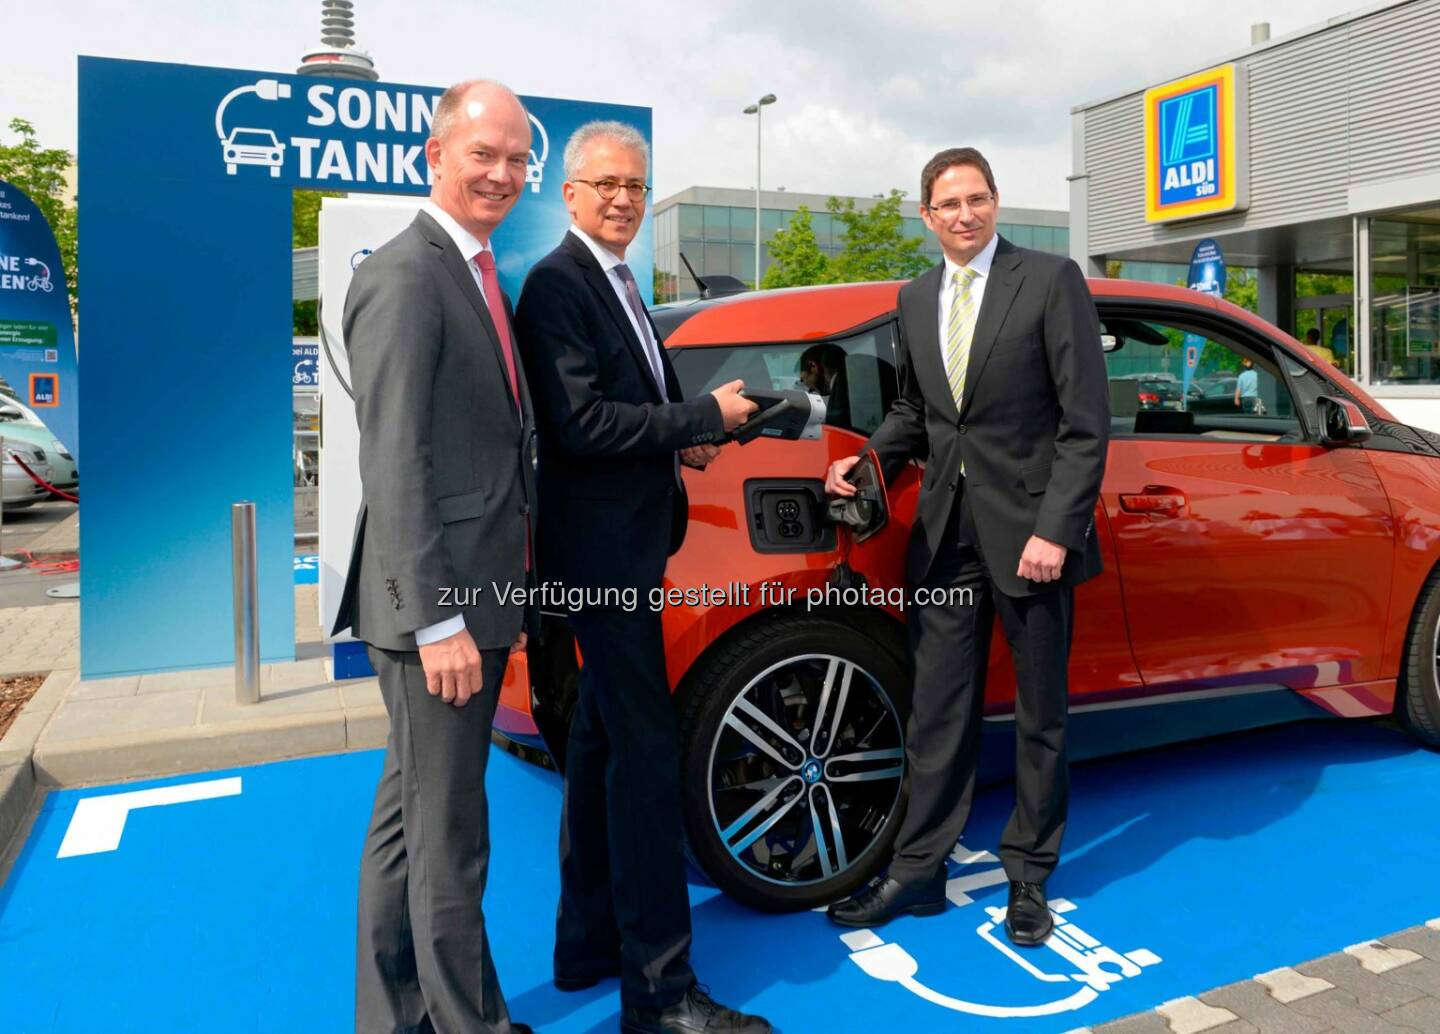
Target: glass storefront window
x,y
823,224
742,226
771,220
1405,298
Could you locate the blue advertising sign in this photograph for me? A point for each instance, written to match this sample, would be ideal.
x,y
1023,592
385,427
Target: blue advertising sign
x,y
190,170
1207,275
306,359
37,337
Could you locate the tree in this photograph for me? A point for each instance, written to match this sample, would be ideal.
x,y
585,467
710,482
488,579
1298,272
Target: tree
x,y
795,255
40,172
305,233
876,247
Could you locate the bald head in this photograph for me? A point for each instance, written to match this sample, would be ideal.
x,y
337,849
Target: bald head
x,y
471,99
478,152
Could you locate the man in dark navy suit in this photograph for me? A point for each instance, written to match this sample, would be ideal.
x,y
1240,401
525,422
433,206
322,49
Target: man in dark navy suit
x,y
1003,393
614,430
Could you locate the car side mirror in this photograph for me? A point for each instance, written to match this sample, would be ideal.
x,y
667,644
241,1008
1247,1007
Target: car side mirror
x,y
1341,421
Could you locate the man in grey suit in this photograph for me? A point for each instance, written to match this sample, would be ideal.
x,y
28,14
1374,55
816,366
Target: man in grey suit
x,y
445,463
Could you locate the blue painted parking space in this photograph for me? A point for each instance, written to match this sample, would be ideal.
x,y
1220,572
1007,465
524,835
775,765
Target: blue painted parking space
x,y
225,901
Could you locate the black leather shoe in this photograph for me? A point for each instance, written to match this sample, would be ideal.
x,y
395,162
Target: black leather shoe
x,y
696,1013
1027,917
586,980
889,899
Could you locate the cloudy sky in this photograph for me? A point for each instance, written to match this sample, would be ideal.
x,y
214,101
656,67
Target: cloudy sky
x,y
867,89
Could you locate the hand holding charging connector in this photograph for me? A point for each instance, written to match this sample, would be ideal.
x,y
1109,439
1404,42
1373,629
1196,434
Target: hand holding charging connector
x,y
791,415
735,408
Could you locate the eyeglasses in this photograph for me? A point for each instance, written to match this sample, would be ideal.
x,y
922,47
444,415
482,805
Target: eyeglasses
x,y
950,209
608,188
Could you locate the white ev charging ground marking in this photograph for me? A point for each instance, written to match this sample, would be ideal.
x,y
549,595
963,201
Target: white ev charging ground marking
x,y
99,822
1088,961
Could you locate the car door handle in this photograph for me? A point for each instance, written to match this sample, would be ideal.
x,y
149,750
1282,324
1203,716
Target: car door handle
x,y
1154,499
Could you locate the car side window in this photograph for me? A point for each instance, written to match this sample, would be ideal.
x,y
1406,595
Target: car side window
x,y
855,374
1167,378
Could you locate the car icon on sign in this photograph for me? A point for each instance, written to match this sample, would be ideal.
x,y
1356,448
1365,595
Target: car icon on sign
x,y
253,147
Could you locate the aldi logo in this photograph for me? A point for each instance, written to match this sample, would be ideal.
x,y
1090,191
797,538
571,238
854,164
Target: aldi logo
x,y
1195,131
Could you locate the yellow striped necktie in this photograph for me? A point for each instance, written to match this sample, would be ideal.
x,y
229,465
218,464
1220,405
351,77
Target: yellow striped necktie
x,y
959,329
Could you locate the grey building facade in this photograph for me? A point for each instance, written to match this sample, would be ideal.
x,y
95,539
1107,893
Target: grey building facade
x,y
1338,183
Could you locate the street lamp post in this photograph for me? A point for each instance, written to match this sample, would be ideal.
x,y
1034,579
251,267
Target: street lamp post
x,y
754,109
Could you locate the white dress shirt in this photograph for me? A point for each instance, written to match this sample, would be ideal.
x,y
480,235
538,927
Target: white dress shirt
x,y
981,264
469,246
609,261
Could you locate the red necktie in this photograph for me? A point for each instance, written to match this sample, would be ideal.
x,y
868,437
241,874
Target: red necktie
x,y
494,302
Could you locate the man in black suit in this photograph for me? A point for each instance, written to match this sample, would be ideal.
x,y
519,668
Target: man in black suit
x,y
446,469
614,430
1003,392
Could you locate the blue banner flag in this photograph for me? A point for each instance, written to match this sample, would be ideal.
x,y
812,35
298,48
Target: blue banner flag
x,y
1207,275
37,338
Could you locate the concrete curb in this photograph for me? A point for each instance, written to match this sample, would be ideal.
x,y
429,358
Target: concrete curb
x,y
145,755
17,747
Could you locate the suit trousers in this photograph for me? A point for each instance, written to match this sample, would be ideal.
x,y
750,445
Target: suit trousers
x,y
422,955
949,650
623,894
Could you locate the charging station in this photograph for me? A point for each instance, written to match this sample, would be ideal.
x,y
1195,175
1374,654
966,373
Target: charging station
x,y
187,174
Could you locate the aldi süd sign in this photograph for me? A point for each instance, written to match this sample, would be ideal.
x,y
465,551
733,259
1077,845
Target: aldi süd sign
x,y
1196,134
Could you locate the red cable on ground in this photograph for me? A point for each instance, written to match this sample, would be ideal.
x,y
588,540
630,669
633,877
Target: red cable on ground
x,y
42,482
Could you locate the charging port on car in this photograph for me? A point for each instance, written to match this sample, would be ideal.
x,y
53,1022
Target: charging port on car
x,y
788,516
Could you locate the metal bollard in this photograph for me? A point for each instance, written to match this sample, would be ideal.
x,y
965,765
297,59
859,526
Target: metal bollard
x,y
247,612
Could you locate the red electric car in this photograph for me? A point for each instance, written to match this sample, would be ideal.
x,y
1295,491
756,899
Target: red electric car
x,y
1262,564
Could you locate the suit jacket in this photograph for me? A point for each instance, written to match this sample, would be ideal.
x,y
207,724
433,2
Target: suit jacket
x,y
446,459
612,506
1032,428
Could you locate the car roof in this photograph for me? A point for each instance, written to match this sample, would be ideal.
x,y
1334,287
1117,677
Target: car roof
x,y
808,313
824,311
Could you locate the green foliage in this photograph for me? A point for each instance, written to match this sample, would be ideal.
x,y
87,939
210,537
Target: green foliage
x,y
1242,288
795,255
305,233
876,247
40,172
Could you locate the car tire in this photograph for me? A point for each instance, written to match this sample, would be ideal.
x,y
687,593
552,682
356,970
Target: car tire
x,y
1419,692
749,708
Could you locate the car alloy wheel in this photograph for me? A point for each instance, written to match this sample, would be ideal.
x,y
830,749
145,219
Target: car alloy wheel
x,y
795,768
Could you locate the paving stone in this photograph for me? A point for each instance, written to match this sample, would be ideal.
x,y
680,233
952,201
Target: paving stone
x,y
1423,1014
220,706
1141,1023
1379,958
1372,993
1340,1010
1286,986
97,719
1251,1001
196,678
355,693
100,689
1423,940
1191,1016
1423,976
294,673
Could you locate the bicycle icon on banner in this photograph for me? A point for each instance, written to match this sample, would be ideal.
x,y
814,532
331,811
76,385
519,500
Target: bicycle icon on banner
x,y
42,282
1083,959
